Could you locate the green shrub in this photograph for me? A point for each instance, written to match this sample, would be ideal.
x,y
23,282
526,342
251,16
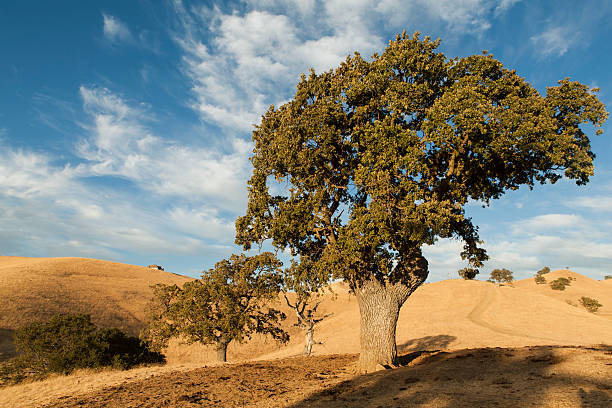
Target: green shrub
x,y
539,277
468,273
607,277
589,304
560,283
67,342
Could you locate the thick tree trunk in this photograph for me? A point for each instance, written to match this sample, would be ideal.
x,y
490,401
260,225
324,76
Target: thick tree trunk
x,y
380,301
222,351
309,341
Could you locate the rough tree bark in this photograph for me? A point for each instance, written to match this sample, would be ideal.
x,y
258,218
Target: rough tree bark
x,y
222,350
380,301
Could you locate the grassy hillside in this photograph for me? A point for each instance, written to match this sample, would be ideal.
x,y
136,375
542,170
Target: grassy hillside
x,y
115,294
580,286
452,314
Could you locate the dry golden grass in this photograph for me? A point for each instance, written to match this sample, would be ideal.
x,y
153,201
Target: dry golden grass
x,y
538,376
115,294
580,286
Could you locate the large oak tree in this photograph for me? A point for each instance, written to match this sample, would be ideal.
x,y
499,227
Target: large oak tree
x,y
374,159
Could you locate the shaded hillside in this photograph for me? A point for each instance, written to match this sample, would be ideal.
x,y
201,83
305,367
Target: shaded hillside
x,y
114,294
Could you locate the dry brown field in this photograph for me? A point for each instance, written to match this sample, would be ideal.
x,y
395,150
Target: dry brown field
x,y
463,344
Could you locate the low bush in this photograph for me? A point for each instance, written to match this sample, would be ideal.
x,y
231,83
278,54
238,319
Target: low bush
x,y
589,304
70,341
539,279
560,283
607,277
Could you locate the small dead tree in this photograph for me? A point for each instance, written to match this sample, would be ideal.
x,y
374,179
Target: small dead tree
x,y
306,319
306,293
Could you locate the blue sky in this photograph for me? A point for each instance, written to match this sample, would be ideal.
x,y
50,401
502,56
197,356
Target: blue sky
x,y
125,125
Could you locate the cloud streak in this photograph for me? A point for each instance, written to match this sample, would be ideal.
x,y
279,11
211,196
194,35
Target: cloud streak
x,y
239,64
556,40
115,30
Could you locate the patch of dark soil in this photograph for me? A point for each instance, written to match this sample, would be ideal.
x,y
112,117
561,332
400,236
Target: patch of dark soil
x,y
270,383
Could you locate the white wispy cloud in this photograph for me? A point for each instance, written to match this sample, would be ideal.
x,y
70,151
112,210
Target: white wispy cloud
x,y
182,199
254,61
597,203
547,222
115,30
120,144
28,175
504,6
239,64
556,40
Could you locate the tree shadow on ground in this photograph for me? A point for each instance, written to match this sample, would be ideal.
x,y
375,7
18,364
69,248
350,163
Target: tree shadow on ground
x,y
7,344
412,349
542,376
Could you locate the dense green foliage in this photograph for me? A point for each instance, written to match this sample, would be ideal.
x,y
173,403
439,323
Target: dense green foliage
x,y
67,342
379,157
539,278
501,276
226,304
560,283
468,273
590,304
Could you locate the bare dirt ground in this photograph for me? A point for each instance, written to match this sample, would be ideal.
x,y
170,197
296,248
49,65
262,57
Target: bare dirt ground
x,y
537,376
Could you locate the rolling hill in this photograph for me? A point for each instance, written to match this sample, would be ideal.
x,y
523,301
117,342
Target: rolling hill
x,y
115,294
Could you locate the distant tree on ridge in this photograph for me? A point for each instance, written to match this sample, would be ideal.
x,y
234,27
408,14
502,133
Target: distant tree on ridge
x,y
467,273
501,275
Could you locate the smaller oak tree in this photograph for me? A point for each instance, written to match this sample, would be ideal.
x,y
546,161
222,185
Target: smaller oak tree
x,y
468,273
226,304
501,275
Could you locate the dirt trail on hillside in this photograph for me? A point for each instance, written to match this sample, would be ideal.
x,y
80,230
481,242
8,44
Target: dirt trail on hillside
x,y
488,301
